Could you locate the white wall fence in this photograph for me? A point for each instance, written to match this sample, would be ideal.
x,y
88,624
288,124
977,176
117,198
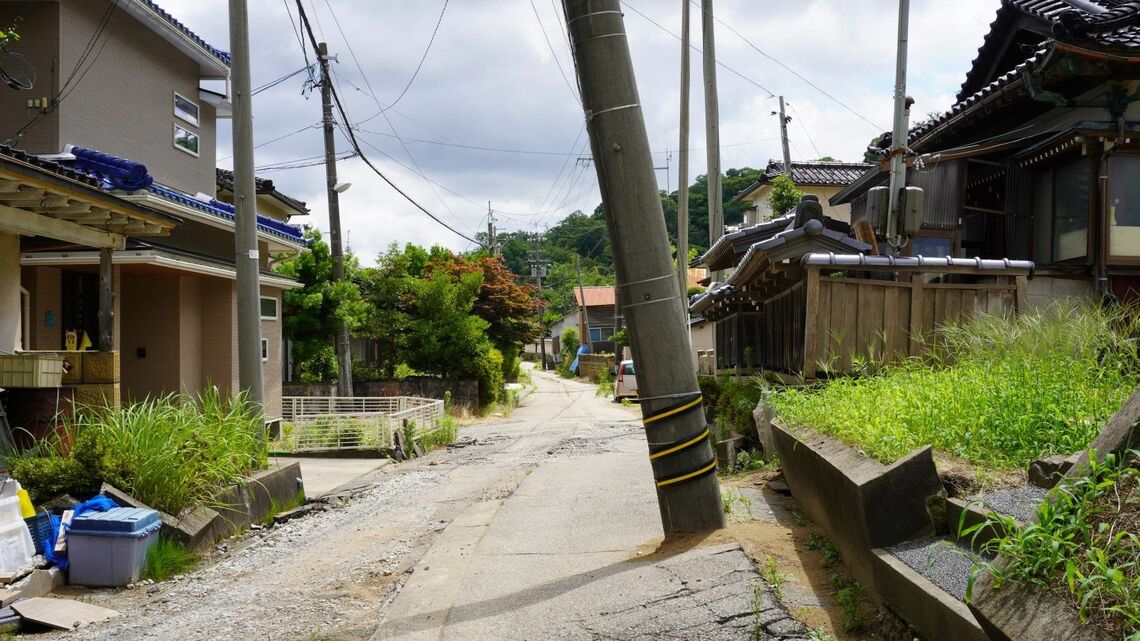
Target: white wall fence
x,y
342,422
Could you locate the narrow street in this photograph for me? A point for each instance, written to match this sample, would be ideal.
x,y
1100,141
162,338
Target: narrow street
x,y
544,526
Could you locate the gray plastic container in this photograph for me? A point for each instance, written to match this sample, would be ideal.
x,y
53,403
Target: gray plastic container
x,y
109,548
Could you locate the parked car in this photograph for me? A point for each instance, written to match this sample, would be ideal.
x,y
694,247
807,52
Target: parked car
x,y
625,385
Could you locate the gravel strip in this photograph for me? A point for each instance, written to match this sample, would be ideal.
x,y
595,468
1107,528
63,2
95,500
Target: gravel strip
x,y
940,560
1019,502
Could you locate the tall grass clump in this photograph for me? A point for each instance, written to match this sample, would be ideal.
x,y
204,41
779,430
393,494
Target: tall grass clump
x,y
171,453
996,391
1082,546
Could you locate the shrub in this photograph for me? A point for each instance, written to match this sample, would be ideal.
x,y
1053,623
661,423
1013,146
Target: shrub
x,y
995,391
510,364
488,370
171,453
568,342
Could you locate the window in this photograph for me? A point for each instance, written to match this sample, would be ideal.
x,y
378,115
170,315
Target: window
x,y
930,246
186,109
186,140
1124,206
595,334
264,350
1062,226
268,308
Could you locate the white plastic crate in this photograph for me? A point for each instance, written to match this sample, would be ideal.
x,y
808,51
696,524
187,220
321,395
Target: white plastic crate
x,y
31,370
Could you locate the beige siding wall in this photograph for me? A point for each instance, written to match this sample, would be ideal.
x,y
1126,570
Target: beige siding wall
x,y
271,369
219,333
39,43
841,212
201,239
190,333
703,337
10,305
45,285
125,103
150,321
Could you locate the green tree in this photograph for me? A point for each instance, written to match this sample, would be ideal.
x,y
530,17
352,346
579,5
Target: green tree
x,y
784,197
445,337
314,313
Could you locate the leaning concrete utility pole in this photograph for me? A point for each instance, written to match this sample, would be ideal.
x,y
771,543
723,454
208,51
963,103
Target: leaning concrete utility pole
x,y
247,260
342,341
784,137
899,133
683,163
680,449
712,125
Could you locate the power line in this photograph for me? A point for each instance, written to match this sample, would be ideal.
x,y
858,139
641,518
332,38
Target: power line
x,y
789,69
273,83
804,127
282,137
356,145
558,62
694,48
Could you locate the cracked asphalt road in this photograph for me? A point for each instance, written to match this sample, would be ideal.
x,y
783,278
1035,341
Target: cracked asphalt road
x,y
545,527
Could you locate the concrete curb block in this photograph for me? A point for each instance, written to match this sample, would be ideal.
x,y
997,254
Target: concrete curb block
x,y
861,503
1018,612
927,607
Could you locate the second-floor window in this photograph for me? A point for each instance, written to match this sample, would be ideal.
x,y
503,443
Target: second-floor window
x,y
186,109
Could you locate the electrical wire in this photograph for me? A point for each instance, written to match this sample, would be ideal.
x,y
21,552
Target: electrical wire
x,y
279,138
359,151
786,67
550,45
806,133
694,48
273,83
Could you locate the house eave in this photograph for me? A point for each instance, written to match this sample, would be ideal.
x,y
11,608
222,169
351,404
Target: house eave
x,y
210,66
153,258
190,213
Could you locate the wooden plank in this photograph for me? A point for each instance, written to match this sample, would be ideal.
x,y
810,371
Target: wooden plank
x,y
880,283
870,324
29,224
1022,283
811,324
106,300
843,321
894,324
63,614
916,296
973,286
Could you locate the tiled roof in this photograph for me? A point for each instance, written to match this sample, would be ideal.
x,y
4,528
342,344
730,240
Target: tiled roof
x,y
49,166
595,296
225,211
224,56
225,179
818,173
1115,28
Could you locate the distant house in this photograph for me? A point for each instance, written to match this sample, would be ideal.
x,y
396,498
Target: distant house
x,y
1040,157
595,306
137,121
817,178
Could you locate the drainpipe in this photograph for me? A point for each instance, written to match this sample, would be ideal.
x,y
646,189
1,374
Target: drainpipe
x,y
1101,284
26,320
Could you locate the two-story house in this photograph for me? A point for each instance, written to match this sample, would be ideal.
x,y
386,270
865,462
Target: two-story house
x,y
119,97
820,178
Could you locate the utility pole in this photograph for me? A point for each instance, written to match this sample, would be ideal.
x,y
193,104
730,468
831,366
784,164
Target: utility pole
x,y
712,125
538,267
584,317
246,257
784,120
683,164
490,229
680,450
899,134
343,344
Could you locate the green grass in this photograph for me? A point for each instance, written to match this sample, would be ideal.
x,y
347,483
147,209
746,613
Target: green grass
x,y
447,430
996,392
1083,546
166,559
276,508
171,453
829,553
773,576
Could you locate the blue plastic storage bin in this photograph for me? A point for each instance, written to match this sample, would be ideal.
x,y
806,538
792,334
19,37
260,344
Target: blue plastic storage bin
x,y
109,548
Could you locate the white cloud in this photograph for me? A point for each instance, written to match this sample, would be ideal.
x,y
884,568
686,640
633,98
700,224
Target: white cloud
x,y
491,80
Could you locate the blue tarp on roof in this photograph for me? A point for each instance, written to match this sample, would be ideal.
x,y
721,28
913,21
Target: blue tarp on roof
x,y
225,211
114,172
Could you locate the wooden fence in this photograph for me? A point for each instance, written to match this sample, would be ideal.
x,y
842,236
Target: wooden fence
x,y
846,319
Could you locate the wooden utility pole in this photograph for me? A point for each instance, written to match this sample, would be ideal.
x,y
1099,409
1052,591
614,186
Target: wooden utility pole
x,y
491,229
342,340
680,449
712,125
787,145
683,163
538,268
584,314
106,301
246,257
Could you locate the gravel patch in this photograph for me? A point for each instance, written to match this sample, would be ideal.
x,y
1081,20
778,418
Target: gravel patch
x,y
1019,502
946,565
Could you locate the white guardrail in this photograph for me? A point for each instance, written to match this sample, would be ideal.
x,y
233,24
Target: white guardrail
x,y
342,422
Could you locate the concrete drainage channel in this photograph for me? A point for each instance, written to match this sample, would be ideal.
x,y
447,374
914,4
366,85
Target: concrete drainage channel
x,y
894,524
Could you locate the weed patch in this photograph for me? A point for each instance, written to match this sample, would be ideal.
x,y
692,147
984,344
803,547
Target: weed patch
x,y
994,391
166,559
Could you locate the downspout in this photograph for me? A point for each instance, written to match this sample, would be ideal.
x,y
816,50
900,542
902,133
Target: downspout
x,y
1101,283
26,320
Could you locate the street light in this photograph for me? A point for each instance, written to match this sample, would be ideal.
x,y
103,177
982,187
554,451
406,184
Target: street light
x,y
340,188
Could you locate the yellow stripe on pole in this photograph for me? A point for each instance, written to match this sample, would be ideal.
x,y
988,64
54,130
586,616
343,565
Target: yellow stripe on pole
x,y
688,476
685,407
681,446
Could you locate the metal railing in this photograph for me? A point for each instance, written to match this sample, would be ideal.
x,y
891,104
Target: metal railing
x,y
341,422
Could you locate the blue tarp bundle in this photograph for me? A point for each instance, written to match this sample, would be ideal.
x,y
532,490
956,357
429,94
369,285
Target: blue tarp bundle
x,y
119,173
99,503
585,349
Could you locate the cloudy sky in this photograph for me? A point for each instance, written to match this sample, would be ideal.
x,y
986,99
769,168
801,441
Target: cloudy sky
x,y
493,81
